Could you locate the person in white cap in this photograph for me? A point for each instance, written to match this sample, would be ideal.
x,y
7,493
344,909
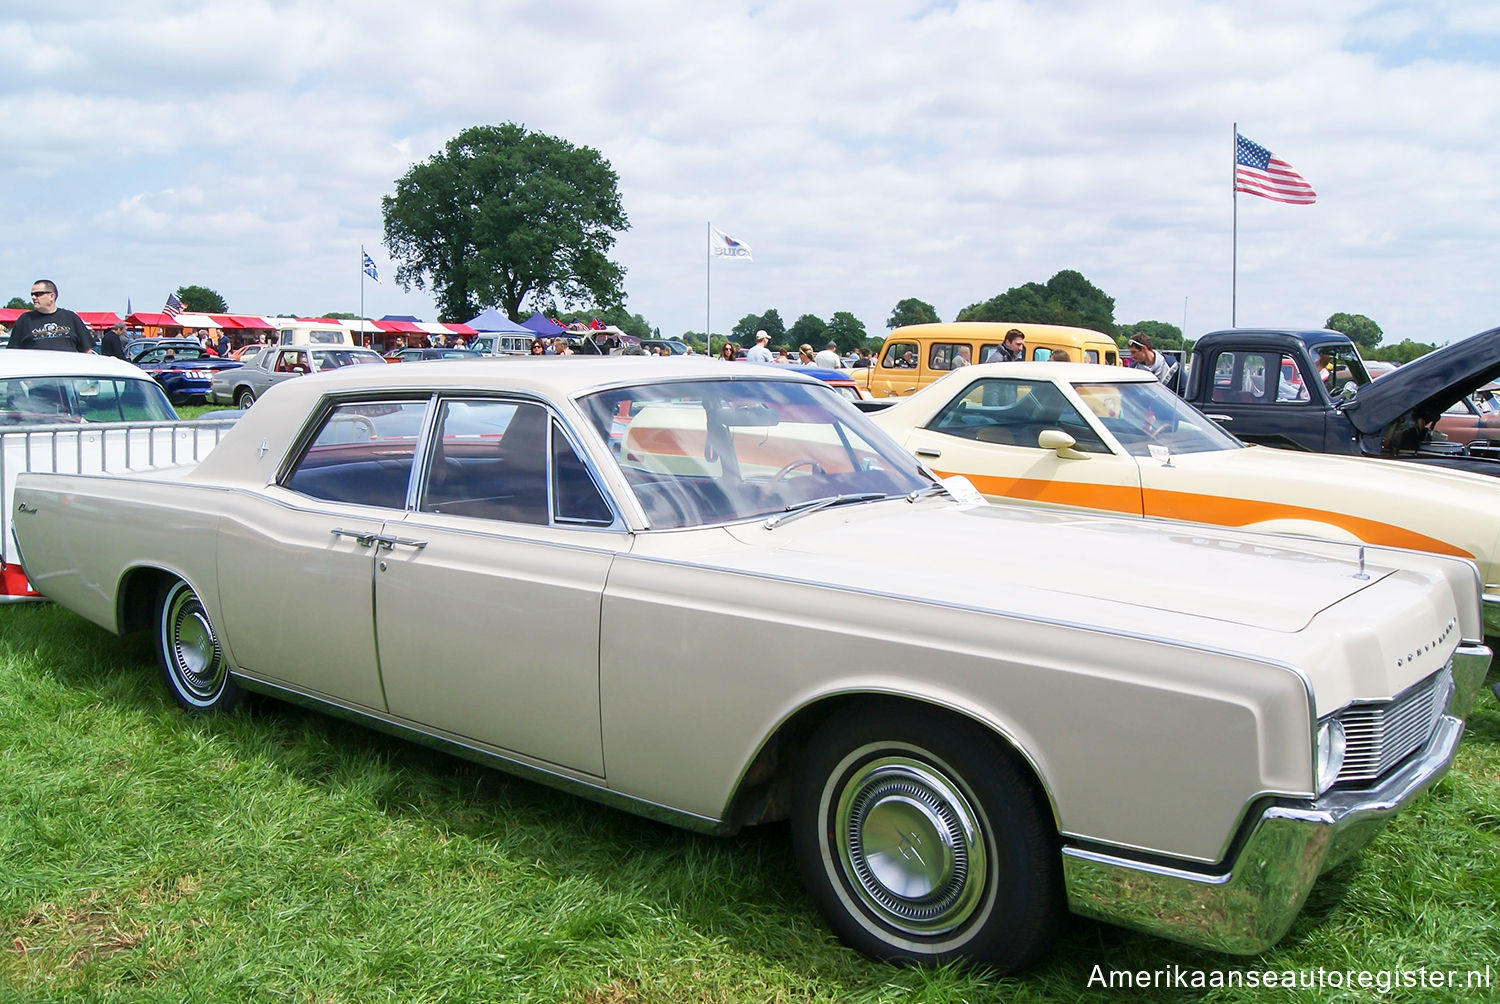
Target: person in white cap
x,y
760,354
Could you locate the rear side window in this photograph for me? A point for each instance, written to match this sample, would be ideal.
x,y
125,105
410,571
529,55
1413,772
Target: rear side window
x,y
362,454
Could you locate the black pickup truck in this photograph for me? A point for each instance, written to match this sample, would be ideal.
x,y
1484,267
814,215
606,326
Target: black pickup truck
x,y
1309,390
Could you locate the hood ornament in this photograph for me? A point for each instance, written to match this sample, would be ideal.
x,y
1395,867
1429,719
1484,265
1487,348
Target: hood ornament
x,y
1361,574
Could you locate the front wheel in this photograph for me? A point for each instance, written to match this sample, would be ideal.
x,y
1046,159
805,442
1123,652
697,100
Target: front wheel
x,y
192,665
922,841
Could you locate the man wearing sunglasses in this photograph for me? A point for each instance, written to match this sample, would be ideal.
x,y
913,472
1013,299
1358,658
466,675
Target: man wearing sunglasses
x,y
46,326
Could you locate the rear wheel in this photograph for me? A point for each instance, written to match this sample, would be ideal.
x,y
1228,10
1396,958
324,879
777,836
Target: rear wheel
x,y
921,840
245,398
192,665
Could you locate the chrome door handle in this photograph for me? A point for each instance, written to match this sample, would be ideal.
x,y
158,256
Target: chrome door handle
x,y
927,451
386,543
1219,418
362,539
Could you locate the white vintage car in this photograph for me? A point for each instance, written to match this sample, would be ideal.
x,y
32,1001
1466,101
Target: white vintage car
x,y
78,412
718,595
1108,439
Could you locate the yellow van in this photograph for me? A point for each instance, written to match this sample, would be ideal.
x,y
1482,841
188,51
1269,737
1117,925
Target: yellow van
x,y
918,354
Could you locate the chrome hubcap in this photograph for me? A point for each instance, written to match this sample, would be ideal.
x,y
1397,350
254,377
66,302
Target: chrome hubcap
x,y
911,843
191,647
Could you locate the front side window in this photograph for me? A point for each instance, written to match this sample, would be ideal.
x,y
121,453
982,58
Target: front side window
x,y
711,451
362,454
1015,413
489,460
900,356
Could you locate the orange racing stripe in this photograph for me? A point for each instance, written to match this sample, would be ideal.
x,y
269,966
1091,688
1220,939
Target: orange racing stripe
x,y
1216,509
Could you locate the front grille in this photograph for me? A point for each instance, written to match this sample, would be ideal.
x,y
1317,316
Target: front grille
x,y
1379,736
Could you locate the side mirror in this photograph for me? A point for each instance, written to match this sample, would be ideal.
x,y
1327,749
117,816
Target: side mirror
x,y
1056,439
1348,392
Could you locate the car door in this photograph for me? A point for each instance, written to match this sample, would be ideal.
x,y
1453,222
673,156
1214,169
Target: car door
x,y
1263,394
989,431
296,560
488,597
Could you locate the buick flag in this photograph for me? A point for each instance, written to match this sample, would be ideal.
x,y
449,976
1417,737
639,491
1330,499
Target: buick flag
x,y
723,246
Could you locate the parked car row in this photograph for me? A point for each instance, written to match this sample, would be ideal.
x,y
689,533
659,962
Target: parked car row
x,y
1000,714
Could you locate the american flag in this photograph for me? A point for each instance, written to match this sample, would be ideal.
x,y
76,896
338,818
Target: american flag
x,y
1256,172
173,307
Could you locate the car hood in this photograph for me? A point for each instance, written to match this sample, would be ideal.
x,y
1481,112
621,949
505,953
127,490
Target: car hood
x,y
1126,574
1433,382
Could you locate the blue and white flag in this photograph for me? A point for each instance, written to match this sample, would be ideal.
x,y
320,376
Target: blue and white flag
x,y
370,269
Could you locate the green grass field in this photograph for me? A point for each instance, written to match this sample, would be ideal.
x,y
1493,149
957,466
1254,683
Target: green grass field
x,y
278,854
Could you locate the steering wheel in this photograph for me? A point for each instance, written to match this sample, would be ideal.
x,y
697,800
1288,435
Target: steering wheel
x,y
780,476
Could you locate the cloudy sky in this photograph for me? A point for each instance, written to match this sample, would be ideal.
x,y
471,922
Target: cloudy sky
x,y
867,152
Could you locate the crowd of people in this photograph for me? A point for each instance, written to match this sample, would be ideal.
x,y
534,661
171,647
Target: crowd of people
x,y
828,358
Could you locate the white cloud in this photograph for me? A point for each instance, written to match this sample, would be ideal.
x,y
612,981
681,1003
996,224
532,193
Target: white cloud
x,y
868,153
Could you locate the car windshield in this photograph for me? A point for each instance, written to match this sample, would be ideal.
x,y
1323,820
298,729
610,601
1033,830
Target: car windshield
x,y
1146,414
704,452
53,399
1338,365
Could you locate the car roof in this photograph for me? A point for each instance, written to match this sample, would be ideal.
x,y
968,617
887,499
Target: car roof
x,y
556,376
42,362
1310,337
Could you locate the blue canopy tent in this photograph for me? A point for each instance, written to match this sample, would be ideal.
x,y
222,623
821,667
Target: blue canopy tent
x,y
493,320
540,325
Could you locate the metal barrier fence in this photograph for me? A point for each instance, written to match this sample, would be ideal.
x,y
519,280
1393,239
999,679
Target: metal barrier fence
x,y
98,448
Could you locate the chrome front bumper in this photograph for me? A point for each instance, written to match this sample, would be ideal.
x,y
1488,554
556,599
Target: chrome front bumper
x,y
1249,907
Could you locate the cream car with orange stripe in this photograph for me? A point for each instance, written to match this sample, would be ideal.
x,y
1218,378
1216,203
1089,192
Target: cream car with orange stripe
x,y
1105,438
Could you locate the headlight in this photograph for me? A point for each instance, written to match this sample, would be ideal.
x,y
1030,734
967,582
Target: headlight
x,y
1330,753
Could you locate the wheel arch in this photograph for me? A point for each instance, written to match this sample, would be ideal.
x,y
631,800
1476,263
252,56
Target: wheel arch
x,y
763,792
135,600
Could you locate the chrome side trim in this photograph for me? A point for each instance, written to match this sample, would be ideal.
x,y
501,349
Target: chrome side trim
x,y
503,762
1251,905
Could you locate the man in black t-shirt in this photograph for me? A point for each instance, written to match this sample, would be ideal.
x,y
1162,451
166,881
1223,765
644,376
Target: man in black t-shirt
x,y
46,326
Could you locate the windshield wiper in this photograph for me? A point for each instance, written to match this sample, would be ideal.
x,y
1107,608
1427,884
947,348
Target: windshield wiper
x,y
813,505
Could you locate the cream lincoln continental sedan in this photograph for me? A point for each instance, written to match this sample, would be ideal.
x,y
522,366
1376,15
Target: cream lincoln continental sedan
x,y
718,595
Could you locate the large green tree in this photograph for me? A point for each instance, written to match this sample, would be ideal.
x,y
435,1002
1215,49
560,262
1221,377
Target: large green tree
x,y
770,322
911,311
847,331
1361,330
16,303
1403,351
202,300
1066,298
809,329
502,214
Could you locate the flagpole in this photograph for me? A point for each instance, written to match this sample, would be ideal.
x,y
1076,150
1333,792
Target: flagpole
x,y
362,292
708,289
1234,255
